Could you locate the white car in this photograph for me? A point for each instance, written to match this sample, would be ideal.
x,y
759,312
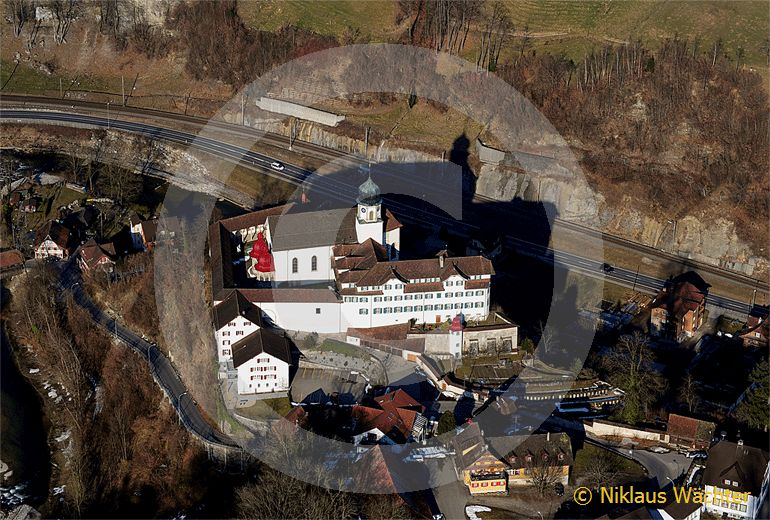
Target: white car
x,y
277,166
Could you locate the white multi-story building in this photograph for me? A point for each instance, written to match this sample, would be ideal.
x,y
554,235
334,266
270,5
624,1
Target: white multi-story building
x,y
334,269
260,356
735,480
329,270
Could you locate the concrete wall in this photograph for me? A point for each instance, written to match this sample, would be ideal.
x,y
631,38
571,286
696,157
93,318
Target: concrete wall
x,y
488,154
483,336
601,429
300,111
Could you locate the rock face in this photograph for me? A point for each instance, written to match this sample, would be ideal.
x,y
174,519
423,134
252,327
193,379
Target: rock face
x,y
317,134
699,237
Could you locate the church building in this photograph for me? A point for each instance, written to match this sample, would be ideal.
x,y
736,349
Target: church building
x,y
329,270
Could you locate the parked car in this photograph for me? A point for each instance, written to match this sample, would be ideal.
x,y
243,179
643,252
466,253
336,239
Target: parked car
x,y
277,166
607,268
659,449
697,454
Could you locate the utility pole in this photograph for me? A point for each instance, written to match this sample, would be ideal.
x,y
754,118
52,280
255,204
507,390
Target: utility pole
x,y
292,132
243,110
108,115
61,89
366,142
636,277
123,88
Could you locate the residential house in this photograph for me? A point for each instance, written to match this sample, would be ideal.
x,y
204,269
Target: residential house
x,y
482,472
53,240
546,456
11,259
234,319
146,234
680,307
393,418
30,204
689,432
15,198
93,256
672,510
757,330
262,360
735,480
676,510
259,358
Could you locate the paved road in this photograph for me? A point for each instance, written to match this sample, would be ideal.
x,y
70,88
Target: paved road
x,y
336,189
327,154
160,366
663,467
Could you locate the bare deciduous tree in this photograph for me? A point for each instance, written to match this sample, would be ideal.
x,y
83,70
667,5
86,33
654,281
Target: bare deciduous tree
x,y
602,469
64,12
543,472
630,368
19,11
688,392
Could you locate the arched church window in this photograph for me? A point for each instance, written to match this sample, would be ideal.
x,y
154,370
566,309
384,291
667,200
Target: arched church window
x,y
294,265
314,263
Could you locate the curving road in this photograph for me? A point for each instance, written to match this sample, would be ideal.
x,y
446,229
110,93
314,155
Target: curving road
x,y
338,190
160,367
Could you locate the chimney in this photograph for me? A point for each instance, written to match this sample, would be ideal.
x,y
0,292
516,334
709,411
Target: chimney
x,y
548,437
441,261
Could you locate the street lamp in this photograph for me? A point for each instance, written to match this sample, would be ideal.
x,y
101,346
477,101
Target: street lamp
x,y
541,515
108,115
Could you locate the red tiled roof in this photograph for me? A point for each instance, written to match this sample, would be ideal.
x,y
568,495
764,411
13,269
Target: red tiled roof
x,y
684,293
398,398
690,428
395,418
423,287
10,258
476,284
406,270
92,253
384,333
355,292
255,218
376,473
391,222
56,232
290,295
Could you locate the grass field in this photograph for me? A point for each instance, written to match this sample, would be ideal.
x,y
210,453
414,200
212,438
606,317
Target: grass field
x,y
628,470
375,19
570,28
346,349
738,24
266,408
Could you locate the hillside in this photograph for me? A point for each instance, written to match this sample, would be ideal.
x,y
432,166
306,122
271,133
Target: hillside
x,y
572,28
